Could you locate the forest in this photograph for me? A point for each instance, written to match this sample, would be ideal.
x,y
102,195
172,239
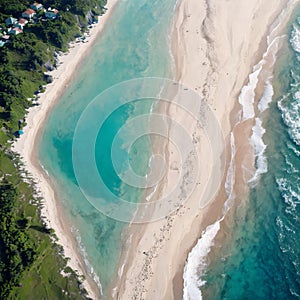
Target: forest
x,y
30,262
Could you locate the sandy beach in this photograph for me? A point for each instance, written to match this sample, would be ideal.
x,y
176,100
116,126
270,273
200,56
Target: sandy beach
x,y
26,147
216,46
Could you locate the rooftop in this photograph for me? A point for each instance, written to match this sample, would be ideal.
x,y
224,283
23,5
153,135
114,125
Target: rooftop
x,y
29,11
22,21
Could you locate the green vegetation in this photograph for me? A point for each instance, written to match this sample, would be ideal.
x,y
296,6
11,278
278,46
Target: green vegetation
x,y
30,262
23,58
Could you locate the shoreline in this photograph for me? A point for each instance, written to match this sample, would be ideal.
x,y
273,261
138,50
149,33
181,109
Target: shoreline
x,y
218,68
26,146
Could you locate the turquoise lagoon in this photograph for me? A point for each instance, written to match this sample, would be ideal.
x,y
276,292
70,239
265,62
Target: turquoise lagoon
x,y
135,43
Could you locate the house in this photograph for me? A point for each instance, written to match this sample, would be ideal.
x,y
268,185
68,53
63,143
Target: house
x,y
51,13
36,6
5,37
28,14
15,31
21,23
10,21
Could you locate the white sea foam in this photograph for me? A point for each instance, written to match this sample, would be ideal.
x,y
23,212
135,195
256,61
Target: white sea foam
x,y
266,97
149,197
246,98
290,194
121,269
44,169
196,263
247,95
230,177
290,167
295,38
84,255
259,149
290,115
293,148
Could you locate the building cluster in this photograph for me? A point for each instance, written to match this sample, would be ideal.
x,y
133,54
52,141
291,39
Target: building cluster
x,y
16,26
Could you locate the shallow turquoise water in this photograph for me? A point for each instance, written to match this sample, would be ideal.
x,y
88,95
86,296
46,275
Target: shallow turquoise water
x,y
260,259
134,44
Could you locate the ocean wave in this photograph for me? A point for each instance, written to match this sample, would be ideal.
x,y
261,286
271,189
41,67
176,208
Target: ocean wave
x,y
266,97
84,255
285,232
290,115
230,177
293,148
247,95
288,237
259,146
196,263
290,194
291,169
295,38
44,169
246,98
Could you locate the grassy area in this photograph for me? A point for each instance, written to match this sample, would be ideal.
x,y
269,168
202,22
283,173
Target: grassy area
x,y
40,278
30,262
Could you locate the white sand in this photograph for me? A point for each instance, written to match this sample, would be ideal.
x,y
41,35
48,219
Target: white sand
x,y
216,45
26,147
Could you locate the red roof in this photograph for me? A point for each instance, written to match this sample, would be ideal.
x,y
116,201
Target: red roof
x,y
16,29
29,11
53,10
22,21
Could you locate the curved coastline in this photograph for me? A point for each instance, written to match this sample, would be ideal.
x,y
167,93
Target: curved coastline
x,y
215,52
26,146
203,65
242,155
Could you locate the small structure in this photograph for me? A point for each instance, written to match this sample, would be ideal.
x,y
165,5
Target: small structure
x,y
10,21
28,14
21,23
2,44
18,133
51,13
15,31
36,6
5,37
48,78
